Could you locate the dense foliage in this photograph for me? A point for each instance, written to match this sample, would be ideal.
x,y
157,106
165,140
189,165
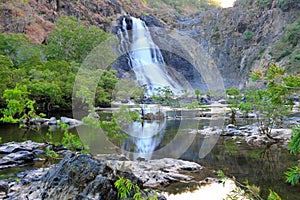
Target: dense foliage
x,y
48,70
71,41
274,103
293,173
184,7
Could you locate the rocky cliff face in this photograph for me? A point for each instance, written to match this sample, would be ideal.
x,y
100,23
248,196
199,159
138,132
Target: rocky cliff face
x,y
238,39
36,18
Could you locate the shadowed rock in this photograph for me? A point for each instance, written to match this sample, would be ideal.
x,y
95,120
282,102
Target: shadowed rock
x,y
75,177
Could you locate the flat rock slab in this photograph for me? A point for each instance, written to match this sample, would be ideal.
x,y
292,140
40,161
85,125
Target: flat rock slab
x,y
16,159
250,133
155,173
19,146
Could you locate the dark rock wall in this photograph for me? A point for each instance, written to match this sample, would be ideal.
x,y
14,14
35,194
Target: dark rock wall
x,y
238,39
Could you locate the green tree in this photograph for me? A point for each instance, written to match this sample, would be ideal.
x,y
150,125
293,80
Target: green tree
x,y
164,95
273,104
6,74
292,33
233,102
50,83
186,5
287,46
106,85
10,43
94,87
114,131
19,106
197,93
71,41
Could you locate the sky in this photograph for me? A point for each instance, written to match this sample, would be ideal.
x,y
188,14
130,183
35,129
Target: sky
x,y
226,3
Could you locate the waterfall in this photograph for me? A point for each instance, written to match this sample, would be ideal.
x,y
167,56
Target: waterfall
x,y
146,59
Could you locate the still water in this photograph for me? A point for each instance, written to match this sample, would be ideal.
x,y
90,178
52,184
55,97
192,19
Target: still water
x,y
262,166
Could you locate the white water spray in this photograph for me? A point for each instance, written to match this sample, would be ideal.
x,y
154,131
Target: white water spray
x,y
146,59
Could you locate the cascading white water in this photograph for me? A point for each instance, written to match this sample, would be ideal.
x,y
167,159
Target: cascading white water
x,y
147,62
146,59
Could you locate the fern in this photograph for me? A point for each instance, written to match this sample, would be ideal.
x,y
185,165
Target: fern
x,y
293,175
125,187
273,196
294,145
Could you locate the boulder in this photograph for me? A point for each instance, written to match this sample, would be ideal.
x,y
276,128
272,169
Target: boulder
x,y
52,121
152,116
16,159
75,177
70,121
19,146
222,101
155,173
148,116
202,114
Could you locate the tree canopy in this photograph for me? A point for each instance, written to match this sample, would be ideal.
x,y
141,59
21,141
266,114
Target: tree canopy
x,y
48,70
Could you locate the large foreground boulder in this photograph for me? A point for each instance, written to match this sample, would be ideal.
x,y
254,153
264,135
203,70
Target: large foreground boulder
x,y
75,177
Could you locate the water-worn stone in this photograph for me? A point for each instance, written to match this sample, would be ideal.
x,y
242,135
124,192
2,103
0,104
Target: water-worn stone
x,y
19,146
70,121
52,121
29,176
249,133
155,173
15,159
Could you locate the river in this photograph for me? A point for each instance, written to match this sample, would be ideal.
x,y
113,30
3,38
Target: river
x,y
263,166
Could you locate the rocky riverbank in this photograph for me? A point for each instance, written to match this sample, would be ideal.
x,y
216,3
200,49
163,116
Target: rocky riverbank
x,y
85,177
20,154
250,134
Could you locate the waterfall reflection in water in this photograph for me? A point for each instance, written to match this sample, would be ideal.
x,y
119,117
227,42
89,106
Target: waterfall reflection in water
x,y
144,139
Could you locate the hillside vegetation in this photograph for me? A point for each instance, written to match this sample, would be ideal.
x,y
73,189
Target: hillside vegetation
x,y
46,72
183,7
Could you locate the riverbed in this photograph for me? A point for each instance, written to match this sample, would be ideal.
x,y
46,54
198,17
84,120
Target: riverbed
x,y
263,166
